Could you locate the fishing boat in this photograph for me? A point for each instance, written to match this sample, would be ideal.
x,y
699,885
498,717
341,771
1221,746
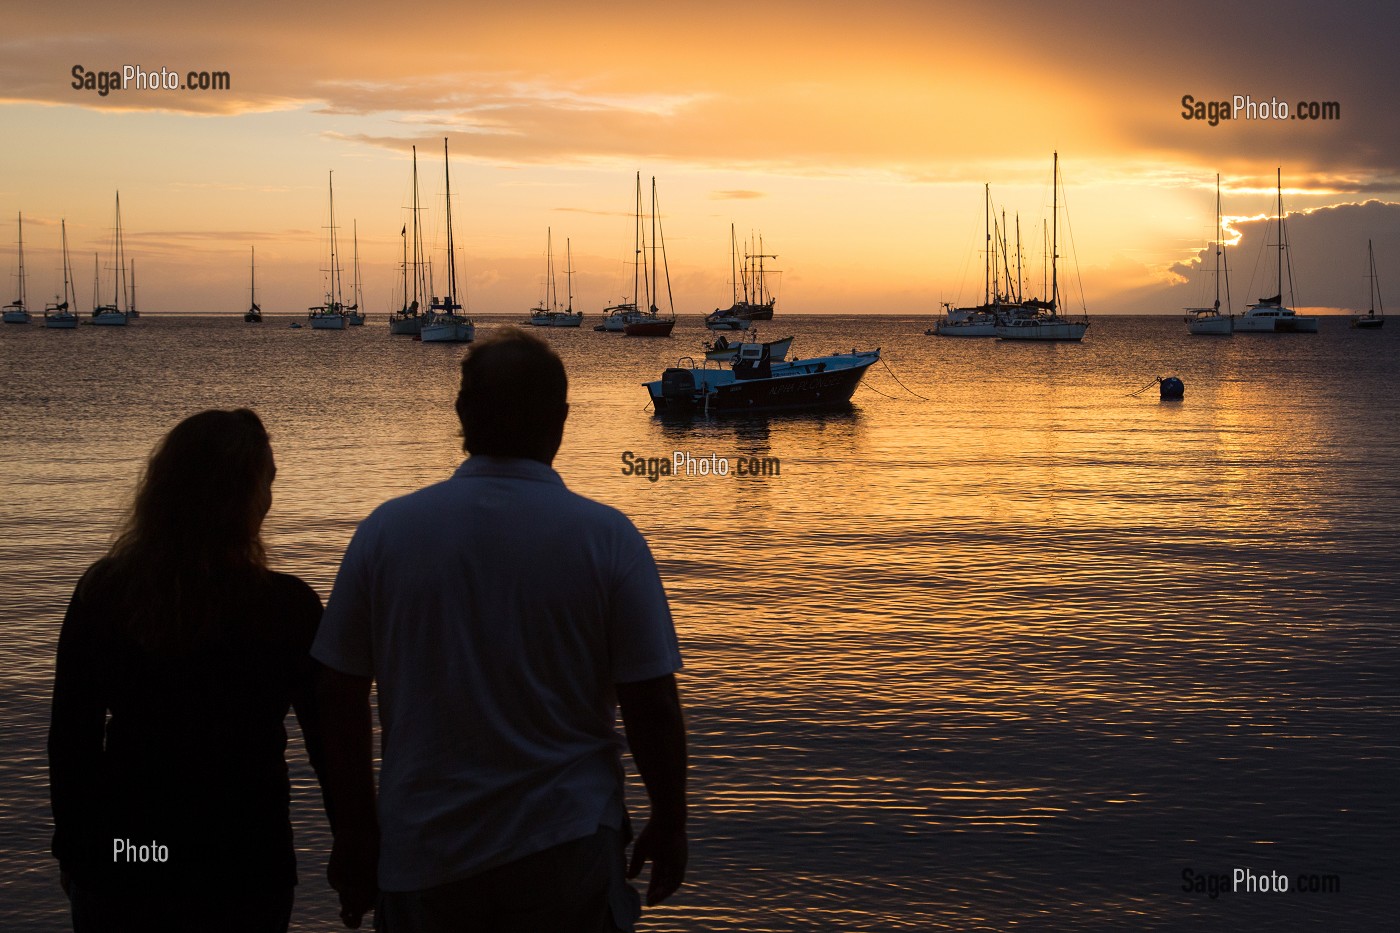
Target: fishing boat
x,y
723,351
1209,321
17,311
548,313
408,320
113,315
756,302
650,323
331,314
58,315
254,313
1041,320
1271,315
1371,320
445,322
754,381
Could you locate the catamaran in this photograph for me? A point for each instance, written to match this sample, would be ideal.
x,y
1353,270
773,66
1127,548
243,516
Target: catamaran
x,y
1271,315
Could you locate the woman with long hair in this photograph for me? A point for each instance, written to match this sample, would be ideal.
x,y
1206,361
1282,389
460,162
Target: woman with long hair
x,y
179,657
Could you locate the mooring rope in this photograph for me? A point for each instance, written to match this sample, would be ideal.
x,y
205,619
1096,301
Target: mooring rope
x,y
1144,388
902,385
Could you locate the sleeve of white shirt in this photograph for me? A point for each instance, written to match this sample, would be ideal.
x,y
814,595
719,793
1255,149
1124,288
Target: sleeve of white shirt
x,y
641,635
344,641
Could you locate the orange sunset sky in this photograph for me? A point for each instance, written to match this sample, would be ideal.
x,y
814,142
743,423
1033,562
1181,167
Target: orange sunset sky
x,y
856,138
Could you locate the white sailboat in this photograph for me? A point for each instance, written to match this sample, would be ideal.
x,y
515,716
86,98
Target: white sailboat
x,y
548,313
59,315
650,323
1041,320
331,315
408,320
617,317
17,311
997,306
353,315
1371,320
114,314
1271,315
445,322
1209,321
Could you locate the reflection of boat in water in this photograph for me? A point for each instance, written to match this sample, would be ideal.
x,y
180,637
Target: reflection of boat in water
x,y
756,303
754,381
1271,315
1041,320
1209,321
1371,320
722,351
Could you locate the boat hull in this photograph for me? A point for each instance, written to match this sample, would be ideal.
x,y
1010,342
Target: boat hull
x,y
448,332
61,321
327,322
1212,326
556,320
1043,331
110,319
822,382
1273,322
1367,323
17,317
965,329
410,326
649,328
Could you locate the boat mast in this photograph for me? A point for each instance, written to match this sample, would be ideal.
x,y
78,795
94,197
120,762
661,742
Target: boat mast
x,y
1219,248
987,246
417,238
403,267
334,299
355,267
733,265
1280,234
21,302
119,292
1375,283
1055,236
252,278
637,246
452,304
551,292
569,272
1019,276
654,295
67,267
96,281
133,285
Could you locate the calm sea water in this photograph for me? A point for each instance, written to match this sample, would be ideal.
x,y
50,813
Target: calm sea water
x,y
1012,657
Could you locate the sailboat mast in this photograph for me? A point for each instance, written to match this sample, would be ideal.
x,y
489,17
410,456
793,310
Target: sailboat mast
x,y
403,235
569,272
1019,276
355,269
451,257
733,265
1280,234
417,236
334,296
252,277
637,246
1219,237
67,268
1055,235
654,295
22,303
987,245
132,305
119,283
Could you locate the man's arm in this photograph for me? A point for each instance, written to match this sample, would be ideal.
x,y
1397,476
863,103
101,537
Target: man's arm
x,y
349,790
651,714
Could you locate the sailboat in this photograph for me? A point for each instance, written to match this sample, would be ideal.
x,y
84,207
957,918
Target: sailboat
x,y
1210,320
996,307
353,315
331,315
1041,320
58,315
757,303
112,315
548,313
1371,320
649,323
407,320
131,311
1270,315
17,311
616,317
445,323
254,313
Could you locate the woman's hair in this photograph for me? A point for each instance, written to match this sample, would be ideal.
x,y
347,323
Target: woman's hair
x,y
194,529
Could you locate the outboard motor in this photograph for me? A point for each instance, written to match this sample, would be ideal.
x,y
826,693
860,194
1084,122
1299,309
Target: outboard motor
x,y
678,385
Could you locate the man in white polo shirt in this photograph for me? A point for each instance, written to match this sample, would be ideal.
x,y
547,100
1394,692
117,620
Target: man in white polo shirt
x,y
505,620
